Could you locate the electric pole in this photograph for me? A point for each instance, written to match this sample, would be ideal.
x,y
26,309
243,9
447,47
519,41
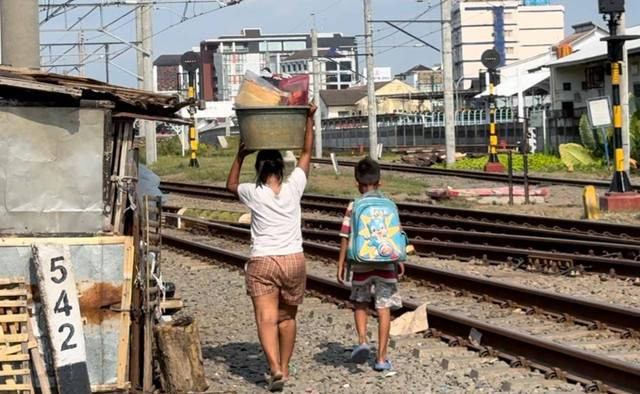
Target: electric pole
x,y
371,90
316,92
144,32
20,33
447,73
624,96
81,54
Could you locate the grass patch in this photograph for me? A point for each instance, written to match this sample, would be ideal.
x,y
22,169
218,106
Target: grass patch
x,y
215,167
212,169
209,214
538,162
324,181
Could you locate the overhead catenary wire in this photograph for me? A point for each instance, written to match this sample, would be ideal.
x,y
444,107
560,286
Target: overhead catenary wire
x,y
415,18
438,30
314,13
128,21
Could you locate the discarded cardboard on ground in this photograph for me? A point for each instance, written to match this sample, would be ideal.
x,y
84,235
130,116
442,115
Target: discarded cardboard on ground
x,y
411,322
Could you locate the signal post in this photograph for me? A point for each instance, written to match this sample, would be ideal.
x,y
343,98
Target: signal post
x,y
190,62
491,60
620,196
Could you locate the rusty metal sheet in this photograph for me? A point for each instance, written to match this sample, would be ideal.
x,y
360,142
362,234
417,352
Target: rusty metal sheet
x,y
102,269
50,161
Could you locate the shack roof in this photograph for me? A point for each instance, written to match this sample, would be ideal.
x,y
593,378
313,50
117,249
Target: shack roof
x,y
28,85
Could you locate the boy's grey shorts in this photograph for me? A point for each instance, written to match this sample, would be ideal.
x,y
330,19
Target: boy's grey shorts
x,y
386,294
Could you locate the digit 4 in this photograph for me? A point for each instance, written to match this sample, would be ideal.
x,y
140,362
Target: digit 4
x,y
62,305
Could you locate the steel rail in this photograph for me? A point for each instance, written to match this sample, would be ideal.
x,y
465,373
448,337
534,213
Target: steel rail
x,y
554,244
519,257
626,319
592,247
591,370
487,224
452,217
470,174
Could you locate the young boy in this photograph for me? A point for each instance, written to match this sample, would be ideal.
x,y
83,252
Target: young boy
x,y
371,280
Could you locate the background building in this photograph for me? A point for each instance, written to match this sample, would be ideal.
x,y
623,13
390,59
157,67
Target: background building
x,y
582,75
353,101
338,70
517,29
380,74
166,74
423,78
227,58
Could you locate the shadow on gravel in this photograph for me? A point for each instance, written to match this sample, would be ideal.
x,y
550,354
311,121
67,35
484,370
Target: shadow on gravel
x,y
337,355
244,359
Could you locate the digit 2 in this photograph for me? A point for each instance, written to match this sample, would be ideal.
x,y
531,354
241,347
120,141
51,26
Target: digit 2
x,y
66,345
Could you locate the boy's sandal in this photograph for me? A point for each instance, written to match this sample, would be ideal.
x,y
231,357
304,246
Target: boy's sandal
x,y
360,354
275,382
385,366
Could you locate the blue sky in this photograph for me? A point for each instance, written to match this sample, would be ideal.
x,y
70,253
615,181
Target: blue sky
x,y
346,16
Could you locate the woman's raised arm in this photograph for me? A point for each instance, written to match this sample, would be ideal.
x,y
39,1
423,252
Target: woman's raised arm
x,y
305,155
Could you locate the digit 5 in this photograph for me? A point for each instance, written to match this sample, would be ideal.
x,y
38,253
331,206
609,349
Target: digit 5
x,y
60,267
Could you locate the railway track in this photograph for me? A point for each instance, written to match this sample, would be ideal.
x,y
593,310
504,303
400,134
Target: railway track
x,y
469,174
452,218
565,337
592,314
525,258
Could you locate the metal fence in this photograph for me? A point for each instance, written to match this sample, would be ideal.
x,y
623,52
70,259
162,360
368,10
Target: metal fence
x,y
472,130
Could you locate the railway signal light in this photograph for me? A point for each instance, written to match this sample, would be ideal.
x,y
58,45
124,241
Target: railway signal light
x,y
190,62
611,6
491,60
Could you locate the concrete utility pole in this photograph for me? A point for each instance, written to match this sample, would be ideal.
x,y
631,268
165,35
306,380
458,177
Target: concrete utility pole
x,y
316,92
447,73
372,109
81,54
144,33
624,96
20,33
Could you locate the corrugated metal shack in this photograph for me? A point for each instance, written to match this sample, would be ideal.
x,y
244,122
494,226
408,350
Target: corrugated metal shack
x,y
68,176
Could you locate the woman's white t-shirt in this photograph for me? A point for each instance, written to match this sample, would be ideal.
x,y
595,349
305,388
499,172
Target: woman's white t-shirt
x,y
275,218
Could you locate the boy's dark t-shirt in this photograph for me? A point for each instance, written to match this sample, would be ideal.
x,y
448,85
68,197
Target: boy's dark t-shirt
x,y
365,273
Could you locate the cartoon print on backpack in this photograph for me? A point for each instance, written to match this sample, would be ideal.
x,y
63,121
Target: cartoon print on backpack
x,y
379,235
376,233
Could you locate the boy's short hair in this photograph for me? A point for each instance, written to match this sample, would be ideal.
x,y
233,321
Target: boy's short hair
x,y
367,171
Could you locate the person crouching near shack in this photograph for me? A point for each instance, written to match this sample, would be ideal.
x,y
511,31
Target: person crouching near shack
x,y
275,275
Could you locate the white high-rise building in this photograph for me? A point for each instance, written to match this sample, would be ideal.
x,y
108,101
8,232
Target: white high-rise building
x,y
517,29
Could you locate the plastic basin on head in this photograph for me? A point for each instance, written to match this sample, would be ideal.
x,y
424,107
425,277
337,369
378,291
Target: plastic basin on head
x,y
280,127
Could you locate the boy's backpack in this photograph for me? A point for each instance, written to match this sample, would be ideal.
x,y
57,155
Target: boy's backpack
x,y
376,235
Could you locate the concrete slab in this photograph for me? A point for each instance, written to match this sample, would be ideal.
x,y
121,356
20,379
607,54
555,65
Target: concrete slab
x,y
620,202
